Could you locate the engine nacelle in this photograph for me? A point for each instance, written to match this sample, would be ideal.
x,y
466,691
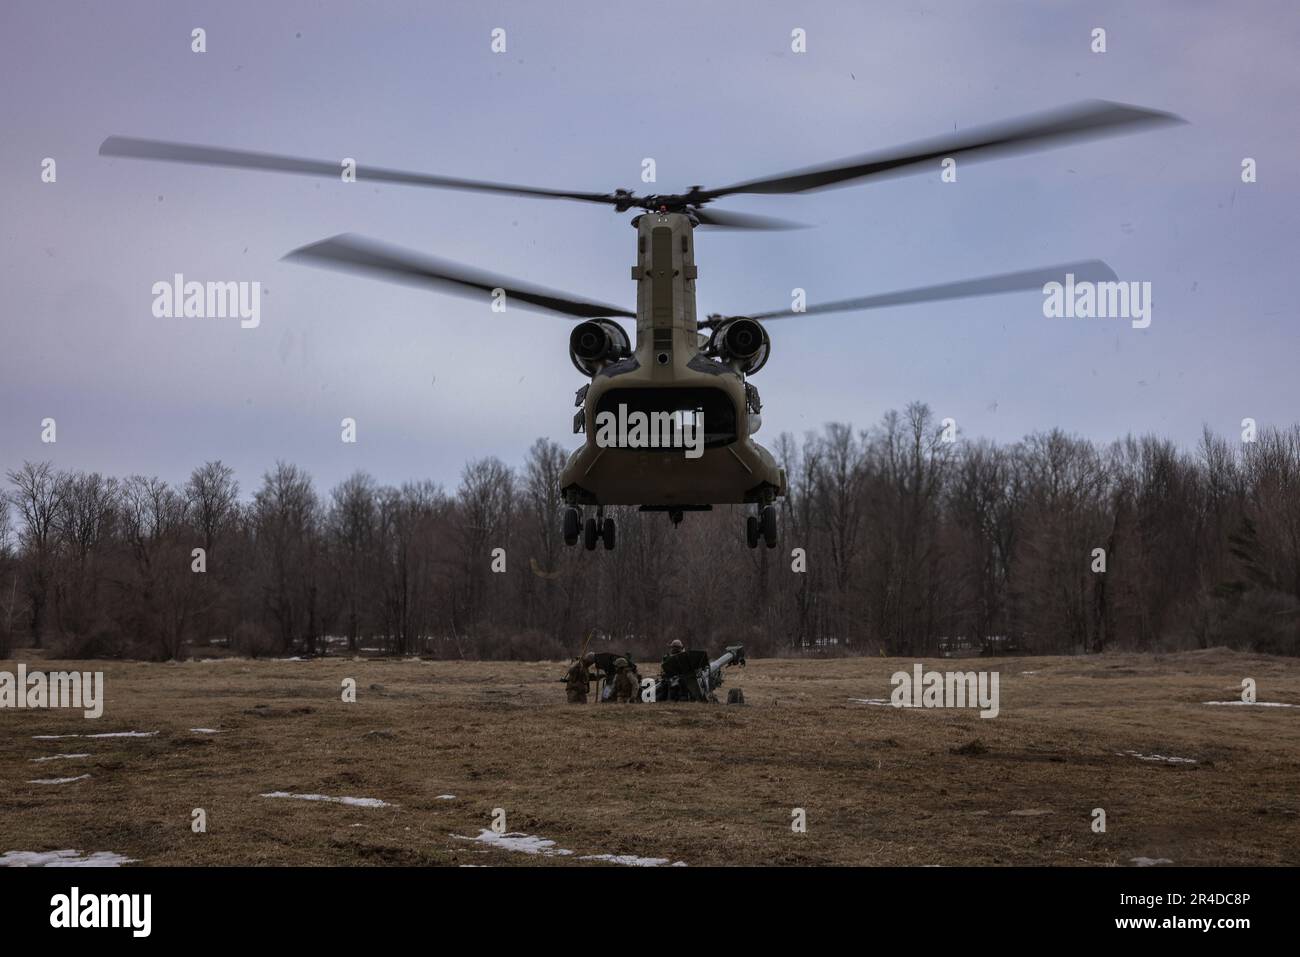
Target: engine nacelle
x,y
742,343
596,343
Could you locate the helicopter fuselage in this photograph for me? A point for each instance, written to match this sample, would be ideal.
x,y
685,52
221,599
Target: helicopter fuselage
x,y
668,371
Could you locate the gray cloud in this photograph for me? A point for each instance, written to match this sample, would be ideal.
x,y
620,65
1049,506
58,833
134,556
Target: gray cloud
x,y
712,92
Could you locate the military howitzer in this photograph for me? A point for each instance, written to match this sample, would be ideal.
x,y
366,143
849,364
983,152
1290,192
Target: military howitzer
x,y
691,676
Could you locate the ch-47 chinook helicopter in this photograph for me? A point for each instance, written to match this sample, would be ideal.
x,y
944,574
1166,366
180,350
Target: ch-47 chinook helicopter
x,y
682,373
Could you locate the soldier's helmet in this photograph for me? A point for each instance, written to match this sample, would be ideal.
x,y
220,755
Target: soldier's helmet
x,y
589,657
620,662
676,645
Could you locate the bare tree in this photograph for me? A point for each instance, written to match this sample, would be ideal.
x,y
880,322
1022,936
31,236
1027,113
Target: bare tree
x,y
285,521
163,591
352,528
213,498
38,495
8,577
85,524
487,502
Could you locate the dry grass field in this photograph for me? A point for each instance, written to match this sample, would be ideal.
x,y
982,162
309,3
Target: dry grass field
x,y
698,784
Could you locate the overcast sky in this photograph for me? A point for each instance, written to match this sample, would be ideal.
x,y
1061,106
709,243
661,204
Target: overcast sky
x,y
714,94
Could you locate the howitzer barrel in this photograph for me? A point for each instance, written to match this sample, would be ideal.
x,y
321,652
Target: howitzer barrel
x,y
735,654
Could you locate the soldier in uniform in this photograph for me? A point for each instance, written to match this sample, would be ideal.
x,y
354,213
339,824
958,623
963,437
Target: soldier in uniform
x,y
578,680
625,688
675,647
676,689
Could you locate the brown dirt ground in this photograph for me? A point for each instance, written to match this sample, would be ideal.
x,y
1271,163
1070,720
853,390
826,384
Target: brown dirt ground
x,y
702,784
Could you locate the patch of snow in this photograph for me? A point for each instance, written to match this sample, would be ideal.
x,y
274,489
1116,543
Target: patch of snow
x,y
79,777
63,859
1254,704
531,844
354,802
1150,861
205,730
59,757
876,701
1029,812
1029,672
518,841
445,797
1157,757
627,860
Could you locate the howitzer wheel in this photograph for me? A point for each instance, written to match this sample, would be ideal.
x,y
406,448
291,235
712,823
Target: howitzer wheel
x,y
590,533
751,531
769,525
572,523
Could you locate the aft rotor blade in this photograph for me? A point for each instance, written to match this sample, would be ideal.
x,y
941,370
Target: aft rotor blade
x,y
1091,270
1086,120
723,219
132,148
358,254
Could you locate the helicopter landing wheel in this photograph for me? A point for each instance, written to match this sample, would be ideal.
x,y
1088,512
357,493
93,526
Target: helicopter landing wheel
x,y
572,526
589,535
751,531
768,519
607,534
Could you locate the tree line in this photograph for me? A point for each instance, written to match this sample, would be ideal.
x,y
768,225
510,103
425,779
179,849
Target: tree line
x,y
893,540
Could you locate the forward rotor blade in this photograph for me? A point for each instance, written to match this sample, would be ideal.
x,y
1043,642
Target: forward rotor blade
x,y
723,219
131,148
357,254
1086,120
1091,270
